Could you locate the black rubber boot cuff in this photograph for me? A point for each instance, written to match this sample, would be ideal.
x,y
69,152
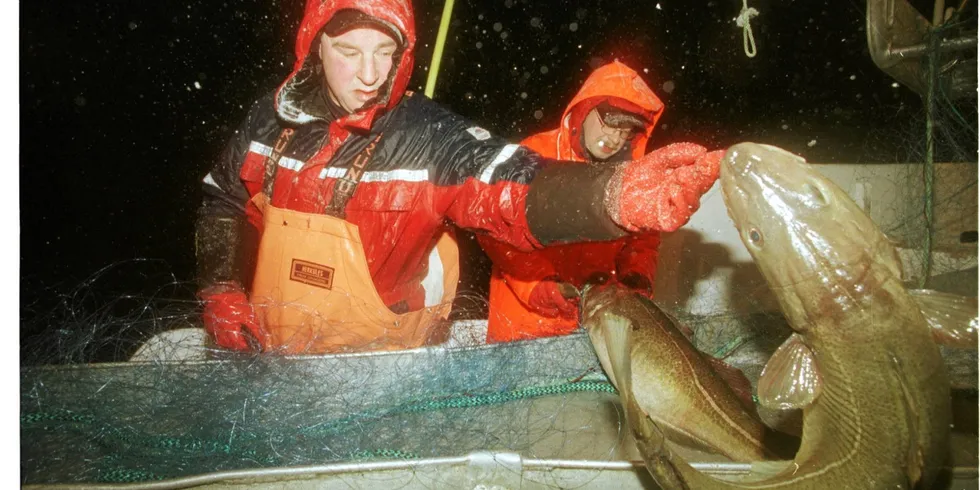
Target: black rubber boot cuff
x,y
565,204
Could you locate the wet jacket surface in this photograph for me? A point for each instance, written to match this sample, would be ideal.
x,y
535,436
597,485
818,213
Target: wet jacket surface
x,y
516,273
429,168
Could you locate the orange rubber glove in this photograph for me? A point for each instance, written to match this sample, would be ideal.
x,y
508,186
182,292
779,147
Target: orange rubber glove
x,y
661,191
547,299
228,315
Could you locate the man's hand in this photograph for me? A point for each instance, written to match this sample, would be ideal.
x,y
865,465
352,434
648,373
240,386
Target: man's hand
x,y
548,298
228,315
661,191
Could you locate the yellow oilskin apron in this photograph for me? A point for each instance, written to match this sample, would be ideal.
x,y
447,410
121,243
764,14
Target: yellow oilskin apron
x,y
313,292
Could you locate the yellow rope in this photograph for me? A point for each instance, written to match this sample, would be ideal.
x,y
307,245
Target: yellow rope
x,y
430,83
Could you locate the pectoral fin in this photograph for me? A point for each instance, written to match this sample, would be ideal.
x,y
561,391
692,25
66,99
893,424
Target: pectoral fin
x,y
791,378
599,344
953,318
616,338
649,437
616,332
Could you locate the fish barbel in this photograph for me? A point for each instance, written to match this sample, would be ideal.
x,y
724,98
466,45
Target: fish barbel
x,y
861,361
687,393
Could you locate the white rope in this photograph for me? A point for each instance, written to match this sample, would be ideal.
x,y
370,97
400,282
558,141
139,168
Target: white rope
x,y
748,40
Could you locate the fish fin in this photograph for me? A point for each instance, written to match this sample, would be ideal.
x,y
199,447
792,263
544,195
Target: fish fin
x,y
916,460
791,378
651,440
735,380
953,318
888,252
616,337
768,469
602,352
680,437
648,435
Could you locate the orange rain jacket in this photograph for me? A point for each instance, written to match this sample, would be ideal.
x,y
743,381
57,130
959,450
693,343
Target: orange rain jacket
x,y
515,274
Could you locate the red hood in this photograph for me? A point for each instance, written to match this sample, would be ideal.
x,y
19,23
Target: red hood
x,y
621,87
295,91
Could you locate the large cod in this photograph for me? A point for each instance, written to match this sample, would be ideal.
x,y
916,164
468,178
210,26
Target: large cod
x,y
861,363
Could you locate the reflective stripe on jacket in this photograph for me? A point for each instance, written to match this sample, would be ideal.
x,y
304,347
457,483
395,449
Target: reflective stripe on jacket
x,y
430,166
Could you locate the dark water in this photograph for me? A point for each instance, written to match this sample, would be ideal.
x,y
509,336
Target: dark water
x,y
125,105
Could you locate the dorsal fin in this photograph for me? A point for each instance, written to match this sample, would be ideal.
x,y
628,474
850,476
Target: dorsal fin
x,y
953,318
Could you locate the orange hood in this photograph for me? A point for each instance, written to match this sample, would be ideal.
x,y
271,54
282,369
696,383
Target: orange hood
x,y
616,84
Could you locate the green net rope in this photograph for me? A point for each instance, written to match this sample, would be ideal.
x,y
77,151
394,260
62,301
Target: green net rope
x,y
118,439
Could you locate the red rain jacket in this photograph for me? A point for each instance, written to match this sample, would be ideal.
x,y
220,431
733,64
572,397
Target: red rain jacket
x,y
429,167
515,274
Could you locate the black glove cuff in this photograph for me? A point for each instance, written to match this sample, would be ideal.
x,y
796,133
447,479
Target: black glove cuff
x,y
565,204
218,241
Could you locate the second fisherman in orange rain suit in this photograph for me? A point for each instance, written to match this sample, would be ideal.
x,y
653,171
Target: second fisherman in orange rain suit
x,y
609,120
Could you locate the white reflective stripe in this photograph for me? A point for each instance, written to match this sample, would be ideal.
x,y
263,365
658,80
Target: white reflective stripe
x,y
291,163
501,157
208,179
286,162
256,147
391,175
434,288
333,172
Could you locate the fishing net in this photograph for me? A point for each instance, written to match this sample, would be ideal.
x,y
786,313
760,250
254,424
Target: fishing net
x,y
100,404
215,411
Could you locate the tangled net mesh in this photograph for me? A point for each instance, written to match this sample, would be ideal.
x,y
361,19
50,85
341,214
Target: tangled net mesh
x,y
90,414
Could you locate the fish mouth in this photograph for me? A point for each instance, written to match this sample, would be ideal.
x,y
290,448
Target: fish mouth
x,y
742,159
595,297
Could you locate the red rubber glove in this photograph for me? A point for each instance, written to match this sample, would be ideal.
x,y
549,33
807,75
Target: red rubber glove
x,y
661,191
227,312
547,300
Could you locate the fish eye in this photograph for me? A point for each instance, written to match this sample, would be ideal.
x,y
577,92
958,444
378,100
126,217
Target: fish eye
x,y
755,237
815,194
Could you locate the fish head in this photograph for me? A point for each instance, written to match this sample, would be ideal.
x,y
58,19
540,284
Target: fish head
x,y
595,298
803,231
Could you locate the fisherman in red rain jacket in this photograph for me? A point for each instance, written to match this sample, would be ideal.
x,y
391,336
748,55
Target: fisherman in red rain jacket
x,y
323,225
608,121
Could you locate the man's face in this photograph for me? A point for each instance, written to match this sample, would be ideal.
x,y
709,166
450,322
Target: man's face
x,y
356,64
600,140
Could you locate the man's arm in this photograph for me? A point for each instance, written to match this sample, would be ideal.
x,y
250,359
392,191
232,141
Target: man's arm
x,y
530,276
221,226
514,195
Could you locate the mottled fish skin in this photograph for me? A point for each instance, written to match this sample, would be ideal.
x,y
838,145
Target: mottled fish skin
x,y
673,383
881,418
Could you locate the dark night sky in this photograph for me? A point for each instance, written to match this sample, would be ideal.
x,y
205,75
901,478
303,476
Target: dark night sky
x,y
125,105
